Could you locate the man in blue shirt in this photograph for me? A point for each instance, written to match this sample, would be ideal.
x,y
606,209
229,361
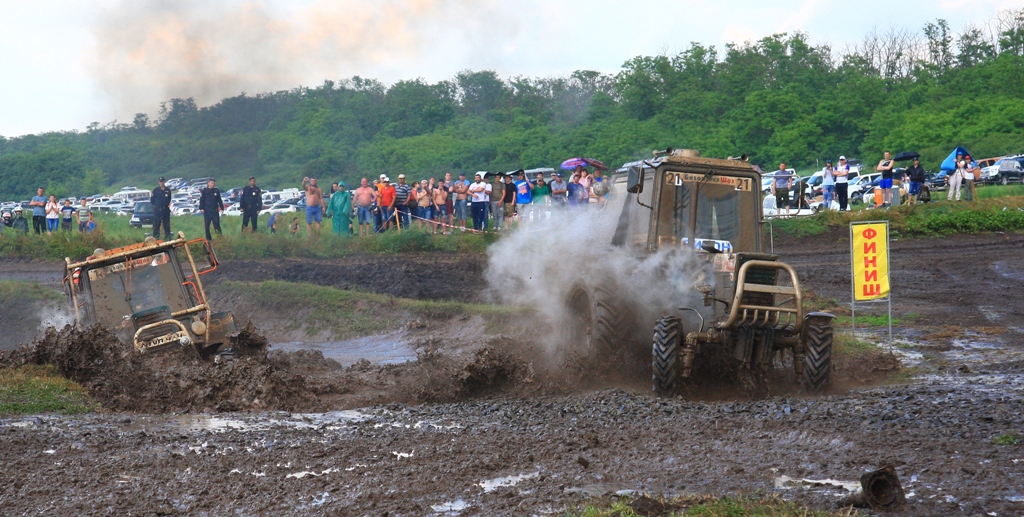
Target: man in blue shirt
x,y
781,184
524,196
38,205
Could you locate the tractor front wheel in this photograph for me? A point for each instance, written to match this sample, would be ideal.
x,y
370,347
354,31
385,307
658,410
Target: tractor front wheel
x,y
665,352
817,339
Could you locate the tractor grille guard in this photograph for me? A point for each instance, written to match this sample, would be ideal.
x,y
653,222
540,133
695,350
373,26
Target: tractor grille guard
x,y
743,312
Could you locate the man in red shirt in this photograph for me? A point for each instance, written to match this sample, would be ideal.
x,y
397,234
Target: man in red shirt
x,y
387,202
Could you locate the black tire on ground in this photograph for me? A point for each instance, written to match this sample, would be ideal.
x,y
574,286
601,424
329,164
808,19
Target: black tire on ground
x,y
665,354
599,326
817,371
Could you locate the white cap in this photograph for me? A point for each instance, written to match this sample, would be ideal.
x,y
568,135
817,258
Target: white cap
x,y
383,176
842,157
401,176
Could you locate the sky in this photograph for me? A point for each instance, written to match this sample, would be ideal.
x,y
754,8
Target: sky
x,y
65,64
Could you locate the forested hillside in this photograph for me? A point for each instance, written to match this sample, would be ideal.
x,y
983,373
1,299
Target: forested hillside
x,y
779,98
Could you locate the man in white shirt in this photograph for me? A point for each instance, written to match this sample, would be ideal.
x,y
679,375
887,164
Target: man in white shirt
x,y
481,195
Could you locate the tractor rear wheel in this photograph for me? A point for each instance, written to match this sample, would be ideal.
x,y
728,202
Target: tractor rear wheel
x,y
665,354
599,326
817,353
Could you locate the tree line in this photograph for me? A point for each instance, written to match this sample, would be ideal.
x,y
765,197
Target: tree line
x,y
777,99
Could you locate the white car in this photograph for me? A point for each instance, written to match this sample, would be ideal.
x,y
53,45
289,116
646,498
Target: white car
x,y
853,190
234,209
817,206
768,207
185,210
279,208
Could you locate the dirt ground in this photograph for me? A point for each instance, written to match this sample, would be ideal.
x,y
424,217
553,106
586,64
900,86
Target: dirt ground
x,y
475,427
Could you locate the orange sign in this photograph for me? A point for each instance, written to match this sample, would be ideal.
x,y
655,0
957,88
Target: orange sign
x,y
870,248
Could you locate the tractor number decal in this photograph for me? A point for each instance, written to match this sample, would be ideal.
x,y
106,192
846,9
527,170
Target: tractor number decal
x,y
678,178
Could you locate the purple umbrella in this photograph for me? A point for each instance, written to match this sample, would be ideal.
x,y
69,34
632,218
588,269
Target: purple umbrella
x,y
572,163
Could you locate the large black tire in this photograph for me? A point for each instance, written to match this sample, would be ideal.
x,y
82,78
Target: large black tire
x,y
665,354
817,336
599,327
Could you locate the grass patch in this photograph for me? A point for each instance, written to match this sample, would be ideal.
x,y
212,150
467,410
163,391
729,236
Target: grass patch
x,y
995,209
19,291
703,506
348,314
41,389
843,343
1007,439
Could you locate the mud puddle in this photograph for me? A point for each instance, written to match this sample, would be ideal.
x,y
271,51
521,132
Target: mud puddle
x,y
382,349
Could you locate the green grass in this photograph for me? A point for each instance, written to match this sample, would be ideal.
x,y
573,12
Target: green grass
x,y
20,291
347,314
40,389
1007,439
113,231
991,212
705,506
843,343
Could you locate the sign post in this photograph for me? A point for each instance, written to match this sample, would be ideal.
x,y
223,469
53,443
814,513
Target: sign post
x,y
869,261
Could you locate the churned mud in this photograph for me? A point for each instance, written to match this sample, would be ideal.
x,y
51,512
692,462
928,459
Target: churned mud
x,y
432,420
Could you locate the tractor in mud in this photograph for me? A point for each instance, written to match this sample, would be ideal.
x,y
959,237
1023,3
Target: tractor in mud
x,y
152,296
740,298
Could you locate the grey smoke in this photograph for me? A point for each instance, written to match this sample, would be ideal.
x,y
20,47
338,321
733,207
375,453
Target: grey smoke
x,y
148,51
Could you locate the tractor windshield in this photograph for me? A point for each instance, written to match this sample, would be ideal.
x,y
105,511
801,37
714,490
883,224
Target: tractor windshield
x,y
719,208
135,285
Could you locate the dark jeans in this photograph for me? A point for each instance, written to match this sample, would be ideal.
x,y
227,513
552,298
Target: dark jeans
x,y
162,217
403,215
841,195
250,215
39,223
211,218
479,211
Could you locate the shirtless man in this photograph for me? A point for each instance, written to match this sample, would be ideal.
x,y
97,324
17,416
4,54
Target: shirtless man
x,y
363,198
461,190
440,200
314,205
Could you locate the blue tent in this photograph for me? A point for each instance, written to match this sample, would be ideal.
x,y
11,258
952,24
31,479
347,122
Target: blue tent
x,y
949,164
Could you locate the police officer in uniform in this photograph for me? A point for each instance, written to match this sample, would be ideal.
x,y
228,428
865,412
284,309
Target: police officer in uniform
x,y
161,200
252,203
211,205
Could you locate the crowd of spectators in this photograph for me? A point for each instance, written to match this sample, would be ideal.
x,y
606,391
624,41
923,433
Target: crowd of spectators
x,y
48,216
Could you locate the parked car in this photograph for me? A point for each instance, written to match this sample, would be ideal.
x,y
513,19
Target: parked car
x,y
233,209
279,208
770,210
990,173
936,181
1011,168
142,215
854,188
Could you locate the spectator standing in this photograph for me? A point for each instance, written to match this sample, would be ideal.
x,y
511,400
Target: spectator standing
x,y
314,205
67,216
272,223
541,196
90,224
52,215
574,190
955,179
508,201
968,181
82,215
20,224
424,204
593,197
481,192
251,204
211,205
916,175
161,201
842,174
496,196
585,179
781,184
828,185
524,197
885,167
387,203
449,186
440,203
402,192
461,193
364,198
340,210
38,204
559,191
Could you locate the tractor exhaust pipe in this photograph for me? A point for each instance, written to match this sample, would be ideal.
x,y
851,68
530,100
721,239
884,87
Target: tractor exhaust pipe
x,y
880,491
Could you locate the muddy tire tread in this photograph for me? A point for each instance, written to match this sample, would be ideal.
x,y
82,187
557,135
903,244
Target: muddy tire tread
x,y
665,352
817,372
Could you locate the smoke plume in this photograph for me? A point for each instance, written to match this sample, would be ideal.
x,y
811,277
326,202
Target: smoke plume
x,y
538,265
148,51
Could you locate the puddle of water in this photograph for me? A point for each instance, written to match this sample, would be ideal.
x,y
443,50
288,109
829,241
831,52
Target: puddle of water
x,y
202,422
1008,269
786,483
383,349
401,455
490,485
602,489
450,507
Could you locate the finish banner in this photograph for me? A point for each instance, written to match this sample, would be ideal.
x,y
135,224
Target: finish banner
x,y
870,251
